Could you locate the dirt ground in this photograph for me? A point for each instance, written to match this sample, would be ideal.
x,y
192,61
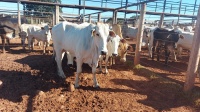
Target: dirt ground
x,y
30,84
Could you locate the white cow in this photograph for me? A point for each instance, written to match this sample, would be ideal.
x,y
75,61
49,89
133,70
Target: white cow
x,y
185,42
24,32
188,29
85,41
112,45
42,34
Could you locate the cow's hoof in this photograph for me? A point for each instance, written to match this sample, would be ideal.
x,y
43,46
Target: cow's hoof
x,y
62,75
107,73
97,87
71,87
76,86
70,65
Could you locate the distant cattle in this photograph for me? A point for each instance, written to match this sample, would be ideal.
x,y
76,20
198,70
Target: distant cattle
x,y
184,43
112,45
8,30
42,34
164,39
85,41
24,32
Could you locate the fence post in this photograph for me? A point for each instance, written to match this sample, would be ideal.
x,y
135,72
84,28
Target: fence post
x,y
57,14
194,57
99,17
139,35
113,18
89,20
19,18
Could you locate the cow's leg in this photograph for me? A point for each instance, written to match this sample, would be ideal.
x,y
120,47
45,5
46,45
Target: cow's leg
x,y
153,50
29,43
167,54
179,51
70,59
39,44
32,43
100,63
44,47
158,53
8,44
58,59
106,63
3,43
96,85
78,71
23,43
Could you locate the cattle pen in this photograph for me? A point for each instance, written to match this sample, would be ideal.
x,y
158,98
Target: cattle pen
x,y
40,70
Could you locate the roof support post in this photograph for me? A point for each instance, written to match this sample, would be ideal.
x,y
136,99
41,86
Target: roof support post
x,y
140,35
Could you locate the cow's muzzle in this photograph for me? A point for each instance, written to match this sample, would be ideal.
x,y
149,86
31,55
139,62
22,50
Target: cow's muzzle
x,y
114,55
103,53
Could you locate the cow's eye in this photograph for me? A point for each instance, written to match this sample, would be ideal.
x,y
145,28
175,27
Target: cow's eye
x,y
97,34
119,46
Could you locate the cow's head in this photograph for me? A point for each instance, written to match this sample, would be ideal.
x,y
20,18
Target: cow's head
x,y
147,32
173,38
46,30
113,44
122,50
100,35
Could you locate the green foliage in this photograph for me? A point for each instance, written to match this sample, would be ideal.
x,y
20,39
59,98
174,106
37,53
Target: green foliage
x,y
33,9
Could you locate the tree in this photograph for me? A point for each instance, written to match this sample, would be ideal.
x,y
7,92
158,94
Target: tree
x,y
36,10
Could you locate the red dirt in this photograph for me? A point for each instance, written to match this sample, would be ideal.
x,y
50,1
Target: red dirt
x,y
30,84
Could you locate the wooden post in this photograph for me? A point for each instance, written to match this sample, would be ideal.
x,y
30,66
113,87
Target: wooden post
x,y
139,35
79,11
83,15
125,11
89,20
179,11
161,21
113,18
99,17
53,21
31,19
162,16
57,12
19,18
194,58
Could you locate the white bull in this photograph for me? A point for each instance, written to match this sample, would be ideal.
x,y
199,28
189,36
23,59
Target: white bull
x,y
85,41
42,34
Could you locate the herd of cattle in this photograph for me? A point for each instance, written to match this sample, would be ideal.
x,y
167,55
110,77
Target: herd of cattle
x,y
88,42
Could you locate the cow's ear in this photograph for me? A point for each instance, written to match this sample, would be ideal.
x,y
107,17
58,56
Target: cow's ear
x,y
93,32
42,28
123,40
112,33
181,36
130,48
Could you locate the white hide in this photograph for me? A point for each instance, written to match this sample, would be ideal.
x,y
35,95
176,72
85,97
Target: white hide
x,y
84,41
43,35
24,32
112,45
185,43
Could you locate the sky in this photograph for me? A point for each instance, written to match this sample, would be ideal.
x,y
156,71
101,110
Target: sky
x,y
185,6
